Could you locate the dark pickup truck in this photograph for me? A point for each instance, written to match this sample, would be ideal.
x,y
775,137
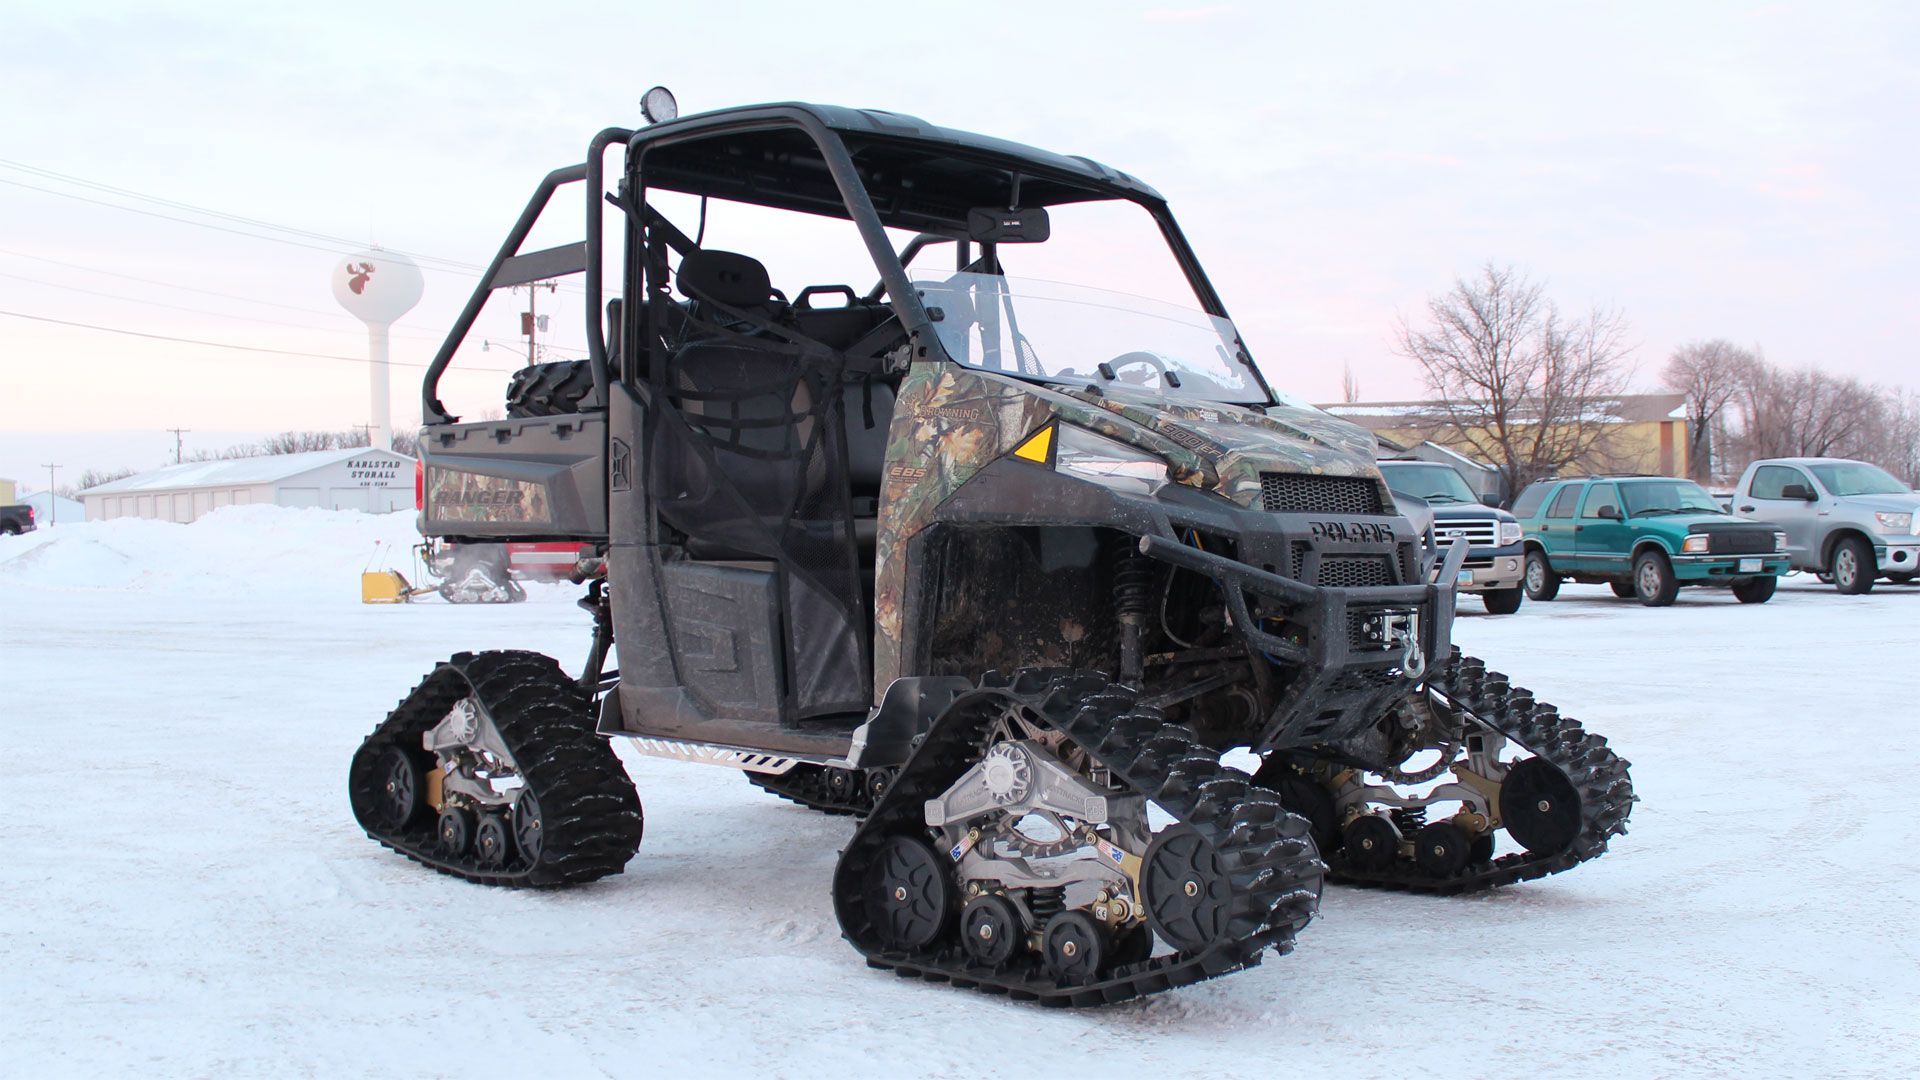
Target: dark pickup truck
x,y
16,519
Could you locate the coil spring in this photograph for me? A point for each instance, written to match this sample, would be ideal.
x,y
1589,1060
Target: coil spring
x,y
1409,819
1132,582
1044,904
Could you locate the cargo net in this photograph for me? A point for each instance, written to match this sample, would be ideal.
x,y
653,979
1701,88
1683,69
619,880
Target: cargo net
x,y
749,460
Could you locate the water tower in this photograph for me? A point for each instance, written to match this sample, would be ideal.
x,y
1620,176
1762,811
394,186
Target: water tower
x,y
377,287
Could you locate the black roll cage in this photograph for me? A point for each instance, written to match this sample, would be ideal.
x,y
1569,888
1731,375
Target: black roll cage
x,y
509,267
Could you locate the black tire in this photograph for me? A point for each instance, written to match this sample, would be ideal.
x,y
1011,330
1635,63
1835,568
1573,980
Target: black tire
x,y
1542,583
9,528
554,389
1653,580
1623,589
1503,601
1754,590
1852,566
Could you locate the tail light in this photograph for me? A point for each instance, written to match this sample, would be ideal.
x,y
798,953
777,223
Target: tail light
x,y
419,484
29,515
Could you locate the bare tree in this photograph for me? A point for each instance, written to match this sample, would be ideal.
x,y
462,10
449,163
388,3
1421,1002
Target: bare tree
x,y
1709,373
1349,384
1518,384
1808,413
91,478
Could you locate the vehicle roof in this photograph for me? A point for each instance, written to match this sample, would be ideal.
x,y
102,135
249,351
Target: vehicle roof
x,y
881,124
1809,461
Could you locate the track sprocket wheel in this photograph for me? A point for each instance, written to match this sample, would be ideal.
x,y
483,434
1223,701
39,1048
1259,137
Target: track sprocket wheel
x,y
1186,890
1540,806
909,894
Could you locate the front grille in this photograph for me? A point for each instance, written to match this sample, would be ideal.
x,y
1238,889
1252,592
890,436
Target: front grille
x,y
1478,532
1354,571
1740,541
1297,493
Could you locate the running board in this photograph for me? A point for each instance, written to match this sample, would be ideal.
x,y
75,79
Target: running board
x,y
731,757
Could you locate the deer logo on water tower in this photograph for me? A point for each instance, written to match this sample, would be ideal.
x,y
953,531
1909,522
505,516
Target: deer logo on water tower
x,y
377,287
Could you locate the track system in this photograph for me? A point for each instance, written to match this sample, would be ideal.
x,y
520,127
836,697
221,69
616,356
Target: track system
x,y
490,770
1012,853
1561,803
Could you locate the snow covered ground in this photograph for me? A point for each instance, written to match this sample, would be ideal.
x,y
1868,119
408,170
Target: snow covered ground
x,y
183,891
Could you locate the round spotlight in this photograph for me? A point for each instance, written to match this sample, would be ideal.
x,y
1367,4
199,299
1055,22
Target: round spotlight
x,y
658,106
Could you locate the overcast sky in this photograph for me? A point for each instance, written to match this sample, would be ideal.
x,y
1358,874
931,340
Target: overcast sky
x,y
1739,170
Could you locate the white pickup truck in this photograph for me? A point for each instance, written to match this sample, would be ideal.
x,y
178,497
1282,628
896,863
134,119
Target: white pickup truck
x,y
1848,521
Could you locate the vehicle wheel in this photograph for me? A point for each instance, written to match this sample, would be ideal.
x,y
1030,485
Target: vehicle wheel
x,y
1754,590
1075,947
1442,849
1540,806
399,797
490,841
1503,601
1541,583
910,895
1185,889
1371,844
549,389
990,929
456,831
528,828
1653,580
8,528
1852,566
1622,589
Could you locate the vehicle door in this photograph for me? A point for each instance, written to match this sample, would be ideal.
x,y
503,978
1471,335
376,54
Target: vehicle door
x,y
1557,527
1784,496
1603,539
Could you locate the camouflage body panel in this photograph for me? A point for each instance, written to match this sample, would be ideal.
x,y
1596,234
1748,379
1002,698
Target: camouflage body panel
x,y
457,495
949,422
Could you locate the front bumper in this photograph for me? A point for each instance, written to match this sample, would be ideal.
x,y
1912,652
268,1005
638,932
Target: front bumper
x,y
1354,649
1492,569
1723,567
1897,558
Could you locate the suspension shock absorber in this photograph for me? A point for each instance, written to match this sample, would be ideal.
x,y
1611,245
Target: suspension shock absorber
x,y
1132,599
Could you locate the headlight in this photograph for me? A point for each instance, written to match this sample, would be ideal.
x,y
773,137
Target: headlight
x,y
1108,463
1509,533
1695,544
1894,523
1779,541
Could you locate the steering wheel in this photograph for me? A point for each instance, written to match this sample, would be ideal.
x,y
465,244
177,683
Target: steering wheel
x,y
1147,358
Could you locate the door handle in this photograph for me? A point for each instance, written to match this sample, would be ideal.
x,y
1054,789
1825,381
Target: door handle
x,y
1577,528
1746,509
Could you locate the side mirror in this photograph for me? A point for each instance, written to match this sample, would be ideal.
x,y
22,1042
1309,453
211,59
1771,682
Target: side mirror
x,y
1611,513
1797,491
991,225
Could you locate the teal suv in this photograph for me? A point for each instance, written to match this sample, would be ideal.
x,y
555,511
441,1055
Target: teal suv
x,y
1644,535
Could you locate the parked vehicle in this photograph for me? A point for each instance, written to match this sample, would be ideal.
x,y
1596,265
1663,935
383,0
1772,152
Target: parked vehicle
x,y
16,519
1848,521
1645,536
1495,558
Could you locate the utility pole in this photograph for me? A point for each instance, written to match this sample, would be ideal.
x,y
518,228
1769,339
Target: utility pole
x,y
177,432
53,497
529,319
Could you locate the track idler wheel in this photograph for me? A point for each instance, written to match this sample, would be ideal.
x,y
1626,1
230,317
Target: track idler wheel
x,y
1185,889
991,929
527,826
1540,806
1075,947
1371,844
910,896
455,830
398,800
1442,849
491,843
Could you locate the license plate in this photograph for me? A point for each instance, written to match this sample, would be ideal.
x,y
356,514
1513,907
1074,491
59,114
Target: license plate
x,y
1749,566
1464,577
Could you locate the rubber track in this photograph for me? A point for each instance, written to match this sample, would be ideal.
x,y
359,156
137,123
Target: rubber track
x,y
590,815
1268,852
1598,774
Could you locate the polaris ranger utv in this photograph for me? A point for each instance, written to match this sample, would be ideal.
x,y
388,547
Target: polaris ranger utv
x,y
1004,564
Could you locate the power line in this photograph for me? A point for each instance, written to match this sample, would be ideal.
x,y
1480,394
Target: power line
x,y
226,345
203,311
173,284
95,185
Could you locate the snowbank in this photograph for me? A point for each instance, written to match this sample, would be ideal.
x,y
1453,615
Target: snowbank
x,y
236,550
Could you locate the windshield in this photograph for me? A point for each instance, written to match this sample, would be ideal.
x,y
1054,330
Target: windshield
x,y
1858,478
1667,497
1071,333
1434,483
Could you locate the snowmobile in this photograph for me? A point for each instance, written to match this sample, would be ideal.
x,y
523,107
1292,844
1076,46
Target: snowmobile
x,y
1004,564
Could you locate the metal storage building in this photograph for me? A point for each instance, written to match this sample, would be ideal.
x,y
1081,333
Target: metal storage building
x,y
363,478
